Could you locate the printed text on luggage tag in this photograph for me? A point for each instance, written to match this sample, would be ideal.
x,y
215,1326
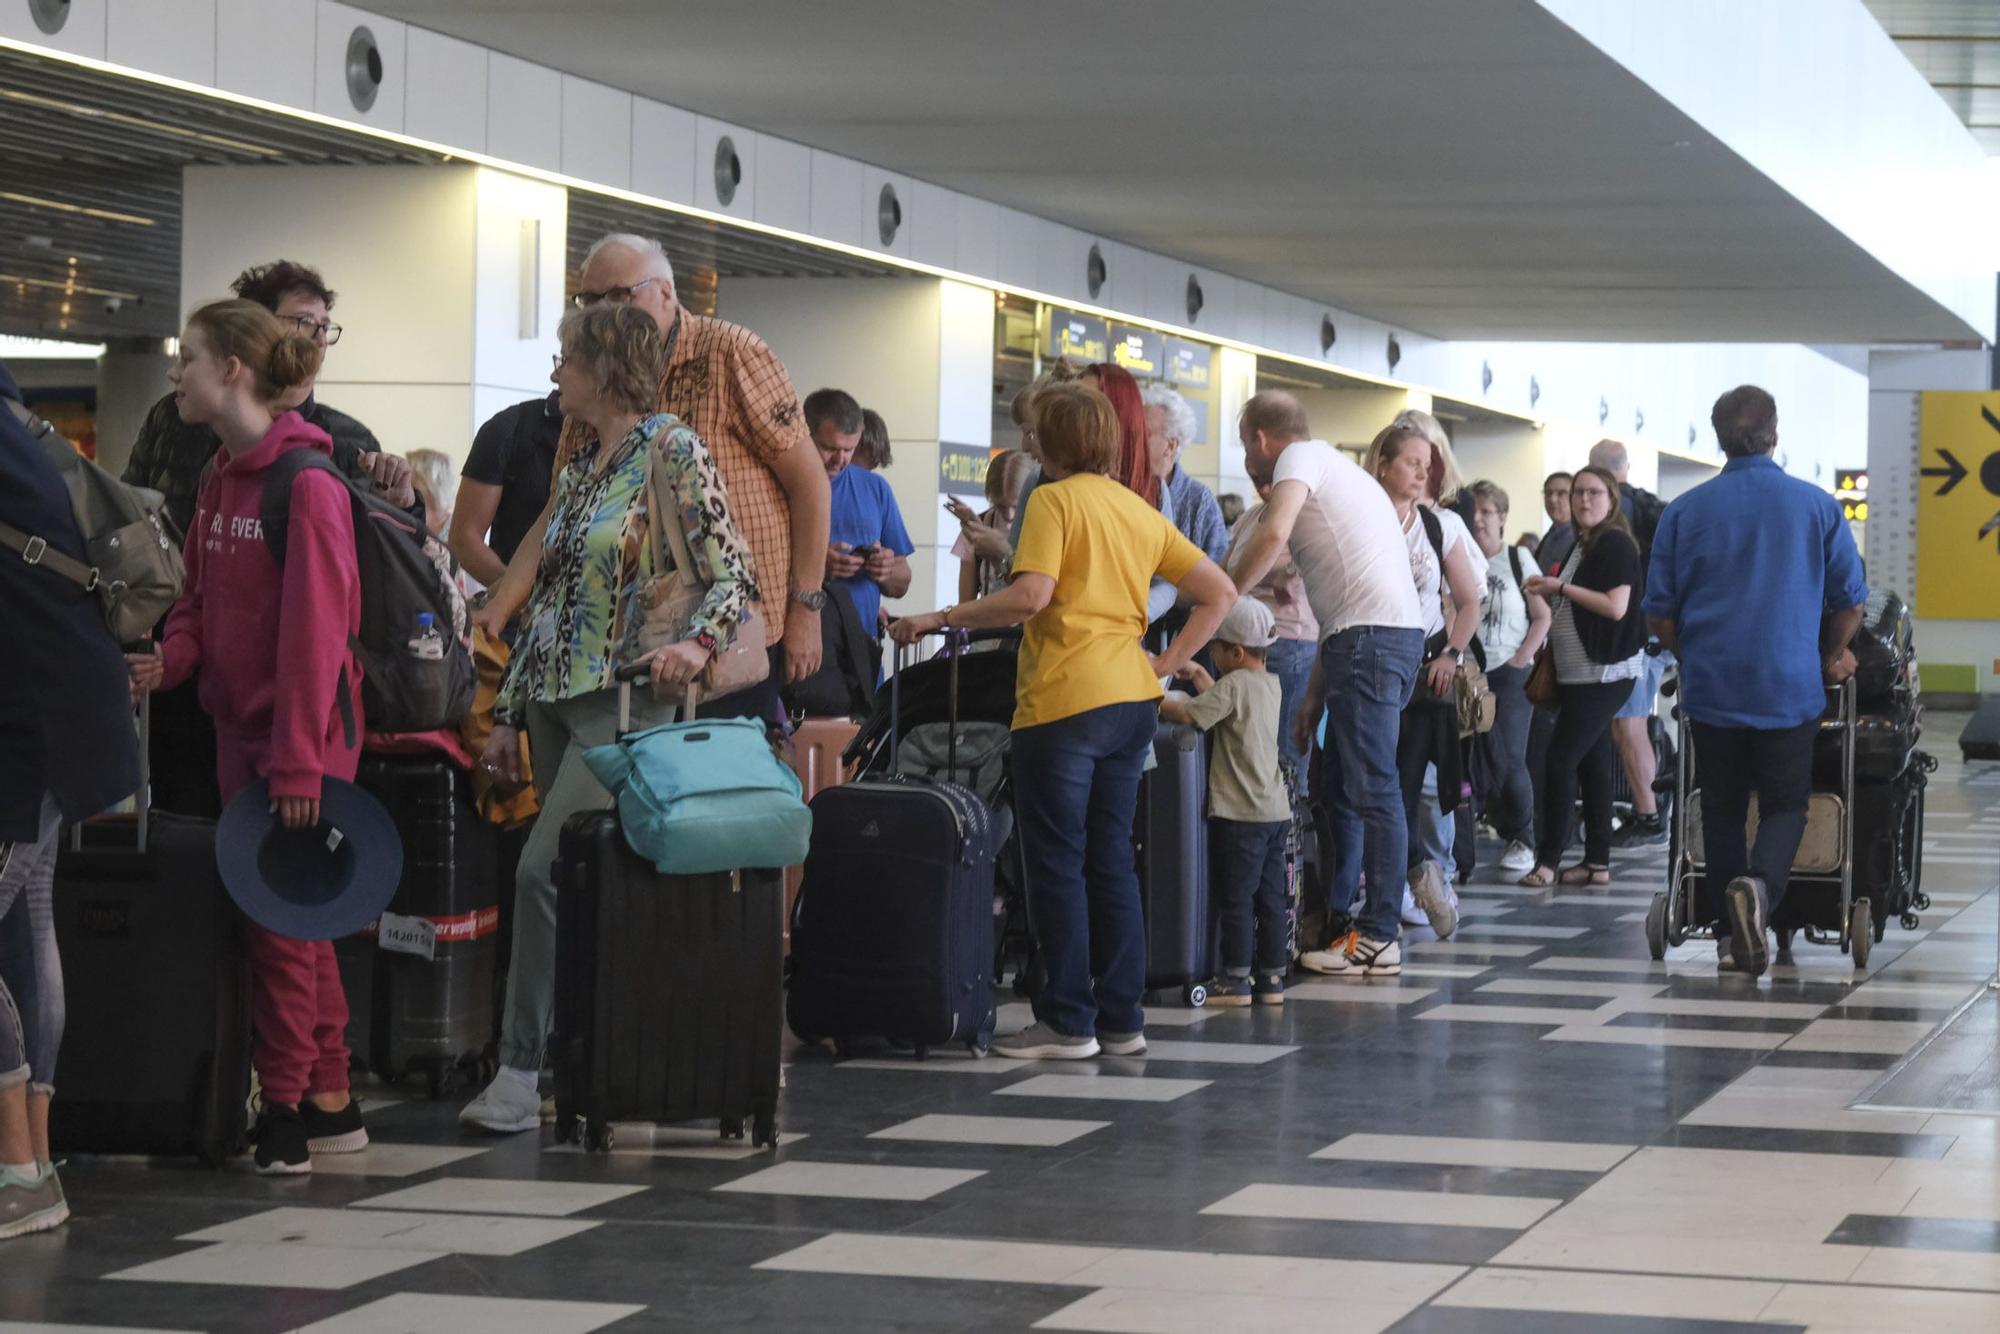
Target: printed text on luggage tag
x,y
408,935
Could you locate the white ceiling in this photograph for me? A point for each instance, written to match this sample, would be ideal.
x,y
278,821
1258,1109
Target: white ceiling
x,y
1467,170
1956,45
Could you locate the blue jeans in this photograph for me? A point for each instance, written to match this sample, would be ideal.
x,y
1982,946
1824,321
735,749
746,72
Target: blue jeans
x,y
1247,882
1370,672
31,989
1076,790
1291,661
1646,690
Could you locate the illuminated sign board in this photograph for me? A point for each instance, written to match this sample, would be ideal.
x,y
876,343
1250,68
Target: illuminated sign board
x,y
1078,337
1850,488
1188,363
1140,351
962,469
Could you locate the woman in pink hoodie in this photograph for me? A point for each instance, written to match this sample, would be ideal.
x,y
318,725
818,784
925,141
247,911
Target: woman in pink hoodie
x,y
272,644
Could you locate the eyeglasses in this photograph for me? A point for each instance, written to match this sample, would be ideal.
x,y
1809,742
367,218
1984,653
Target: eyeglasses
x,y
325,334
1590,493
558,359
617,296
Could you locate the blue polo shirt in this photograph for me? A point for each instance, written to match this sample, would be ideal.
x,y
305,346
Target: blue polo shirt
x,y
864,511
1746,565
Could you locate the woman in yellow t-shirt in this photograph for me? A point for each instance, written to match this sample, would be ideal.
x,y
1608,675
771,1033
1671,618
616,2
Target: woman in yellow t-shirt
x,y
1086,707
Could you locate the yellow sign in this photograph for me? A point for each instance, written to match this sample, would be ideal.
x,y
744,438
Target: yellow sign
x,y
1958,507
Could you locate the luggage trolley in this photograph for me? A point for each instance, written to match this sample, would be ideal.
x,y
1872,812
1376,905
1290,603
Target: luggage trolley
x,y
1819,899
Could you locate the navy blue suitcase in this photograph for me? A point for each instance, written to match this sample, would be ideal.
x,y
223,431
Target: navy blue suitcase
x,y
1170,831
892,930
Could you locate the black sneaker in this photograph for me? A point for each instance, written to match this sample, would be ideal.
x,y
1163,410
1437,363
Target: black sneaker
x,y
1268,988
1641,831
334,1132
1229,991
281,1142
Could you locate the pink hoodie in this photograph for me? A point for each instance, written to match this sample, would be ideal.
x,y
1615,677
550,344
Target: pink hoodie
x,y
271,643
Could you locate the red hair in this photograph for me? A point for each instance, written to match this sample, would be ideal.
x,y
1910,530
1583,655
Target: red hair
x,y
1134,468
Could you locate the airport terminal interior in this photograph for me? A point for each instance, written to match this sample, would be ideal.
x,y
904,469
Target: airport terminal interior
x,y
1539,244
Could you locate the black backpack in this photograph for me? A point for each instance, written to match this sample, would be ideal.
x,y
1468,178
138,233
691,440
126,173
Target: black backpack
x,y
406,575
1646,511
844,685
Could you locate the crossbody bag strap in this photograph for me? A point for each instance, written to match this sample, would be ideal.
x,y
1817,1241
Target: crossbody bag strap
x,y
671,552
36,551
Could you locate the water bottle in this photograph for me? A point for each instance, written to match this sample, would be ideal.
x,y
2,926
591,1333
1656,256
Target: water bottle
x,y
427,643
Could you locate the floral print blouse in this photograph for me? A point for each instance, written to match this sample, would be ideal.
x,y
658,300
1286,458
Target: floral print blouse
x,y
598,572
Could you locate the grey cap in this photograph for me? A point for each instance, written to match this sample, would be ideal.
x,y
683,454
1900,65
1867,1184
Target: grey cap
x,y
1248,623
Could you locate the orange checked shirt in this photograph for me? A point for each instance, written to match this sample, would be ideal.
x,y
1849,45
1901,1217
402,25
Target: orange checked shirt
x,y
725,383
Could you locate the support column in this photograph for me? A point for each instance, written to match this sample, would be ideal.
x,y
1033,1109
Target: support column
x,y
131,377
449,282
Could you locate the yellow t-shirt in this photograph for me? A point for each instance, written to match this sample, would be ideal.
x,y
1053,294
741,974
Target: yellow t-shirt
x,y
1102,545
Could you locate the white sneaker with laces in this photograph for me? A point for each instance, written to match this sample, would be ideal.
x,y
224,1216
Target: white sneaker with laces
x,y
1375,958
507,1107
1435,897
1518,857
1039,1042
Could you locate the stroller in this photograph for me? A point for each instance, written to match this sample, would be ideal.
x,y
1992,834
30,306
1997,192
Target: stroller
x,y
916,710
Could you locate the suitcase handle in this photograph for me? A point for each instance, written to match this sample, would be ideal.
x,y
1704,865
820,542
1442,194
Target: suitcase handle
x,y
955,642
642,669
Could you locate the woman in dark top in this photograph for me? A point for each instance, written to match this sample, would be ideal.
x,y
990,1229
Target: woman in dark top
x,y
1598,638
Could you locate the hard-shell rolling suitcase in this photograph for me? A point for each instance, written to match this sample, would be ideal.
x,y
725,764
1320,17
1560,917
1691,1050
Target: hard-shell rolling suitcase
x,y
420,997
1170,832
156,1048
817,744
669,988
892,934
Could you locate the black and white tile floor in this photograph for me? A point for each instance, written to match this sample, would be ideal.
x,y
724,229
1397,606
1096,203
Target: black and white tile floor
x,y
1535,1128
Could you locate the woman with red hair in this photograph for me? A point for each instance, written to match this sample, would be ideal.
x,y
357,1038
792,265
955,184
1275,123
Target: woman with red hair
x,y
1134,468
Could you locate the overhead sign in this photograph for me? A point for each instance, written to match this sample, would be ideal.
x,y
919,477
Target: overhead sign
x,y
1078,337
1188,363
962,469
1140,351
1958,507
1850,488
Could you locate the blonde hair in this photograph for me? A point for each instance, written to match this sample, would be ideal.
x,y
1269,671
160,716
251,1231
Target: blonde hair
x,y
619,346
432,475
1060,371
277,355
1445,475
1077,428
1387,446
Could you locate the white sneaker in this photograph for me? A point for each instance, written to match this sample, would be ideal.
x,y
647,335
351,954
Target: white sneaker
x,y
1332,960
1039,1042
1412,914
505,1108
1434,896
1518,857
1375,958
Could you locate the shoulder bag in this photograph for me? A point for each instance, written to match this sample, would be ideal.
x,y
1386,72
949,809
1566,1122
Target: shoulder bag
x,y
678,593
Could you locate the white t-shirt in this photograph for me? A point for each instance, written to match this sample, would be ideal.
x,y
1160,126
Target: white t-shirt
x,y
1503,620
1346,543
1425,571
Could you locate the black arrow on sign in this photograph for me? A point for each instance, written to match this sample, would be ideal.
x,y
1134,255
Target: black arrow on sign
x,y
1954,471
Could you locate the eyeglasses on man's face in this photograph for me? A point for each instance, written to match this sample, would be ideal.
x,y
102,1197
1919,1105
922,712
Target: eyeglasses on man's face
x,y
324,332
617,296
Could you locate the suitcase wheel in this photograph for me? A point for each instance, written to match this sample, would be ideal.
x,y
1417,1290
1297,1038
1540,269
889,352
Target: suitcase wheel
x,y
1860,930
1656,927
597,1137
732,1127
764,1130
921,1051
1908,921
1196,995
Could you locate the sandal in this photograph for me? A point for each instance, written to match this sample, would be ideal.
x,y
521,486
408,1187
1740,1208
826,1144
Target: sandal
x,y
1541,877
1583,873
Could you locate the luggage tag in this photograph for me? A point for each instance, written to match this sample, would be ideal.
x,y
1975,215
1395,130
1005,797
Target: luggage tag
x,y
407,935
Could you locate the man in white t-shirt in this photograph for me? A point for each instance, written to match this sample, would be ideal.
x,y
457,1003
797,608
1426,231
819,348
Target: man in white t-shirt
x,y
1349,550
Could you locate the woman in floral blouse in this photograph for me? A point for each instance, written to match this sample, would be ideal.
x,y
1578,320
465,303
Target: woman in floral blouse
x,y
596,574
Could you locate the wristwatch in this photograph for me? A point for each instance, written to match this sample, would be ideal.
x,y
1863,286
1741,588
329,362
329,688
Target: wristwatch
x,y
813,599
1456,655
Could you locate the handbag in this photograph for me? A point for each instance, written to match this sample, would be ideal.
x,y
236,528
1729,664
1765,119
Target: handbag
x,y
1477,706
698,797
1540,687
670,603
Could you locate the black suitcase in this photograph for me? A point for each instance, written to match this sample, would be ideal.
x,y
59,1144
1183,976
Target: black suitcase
x,y
668,988
892,930
1170,832
156,1048
408,1013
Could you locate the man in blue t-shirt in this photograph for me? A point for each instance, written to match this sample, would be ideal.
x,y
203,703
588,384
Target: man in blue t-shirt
x,y
1756,584
868,551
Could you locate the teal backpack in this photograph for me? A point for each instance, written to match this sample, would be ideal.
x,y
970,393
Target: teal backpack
x,y
699,797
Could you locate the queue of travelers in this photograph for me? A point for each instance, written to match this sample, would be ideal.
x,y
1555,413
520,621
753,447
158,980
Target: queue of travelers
x,y
1335,620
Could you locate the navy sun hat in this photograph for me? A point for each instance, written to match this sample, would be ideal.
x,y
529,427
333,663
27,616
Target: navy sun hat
x,y
310,884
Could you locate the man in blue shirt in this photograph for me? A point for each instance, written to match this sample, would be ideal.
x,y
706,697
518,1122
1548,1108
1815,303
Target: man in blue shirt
x,y
1757,586
868,552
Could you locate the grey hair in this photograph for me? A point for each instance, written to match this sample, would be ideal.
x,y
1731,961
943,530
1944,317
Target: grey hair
x,y
1611,456
1180,414
643,246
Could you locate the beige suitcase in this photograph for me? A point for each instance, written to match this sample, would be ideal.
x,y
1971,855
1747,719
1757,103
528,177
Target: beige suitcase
x,y
1821,850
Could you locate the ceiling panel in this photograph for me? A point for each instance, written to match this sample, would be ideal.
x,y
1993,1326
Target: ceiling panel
x,y
1955,44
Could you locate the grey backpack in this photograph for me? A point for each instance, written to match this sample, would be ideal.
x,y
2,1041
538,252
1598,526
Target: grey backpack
x,y
132,556
982,755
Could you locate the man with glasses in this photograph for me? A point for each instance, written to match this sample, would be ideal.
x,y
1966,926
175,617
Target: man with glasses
x,y
171,456
1554,548
725,383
